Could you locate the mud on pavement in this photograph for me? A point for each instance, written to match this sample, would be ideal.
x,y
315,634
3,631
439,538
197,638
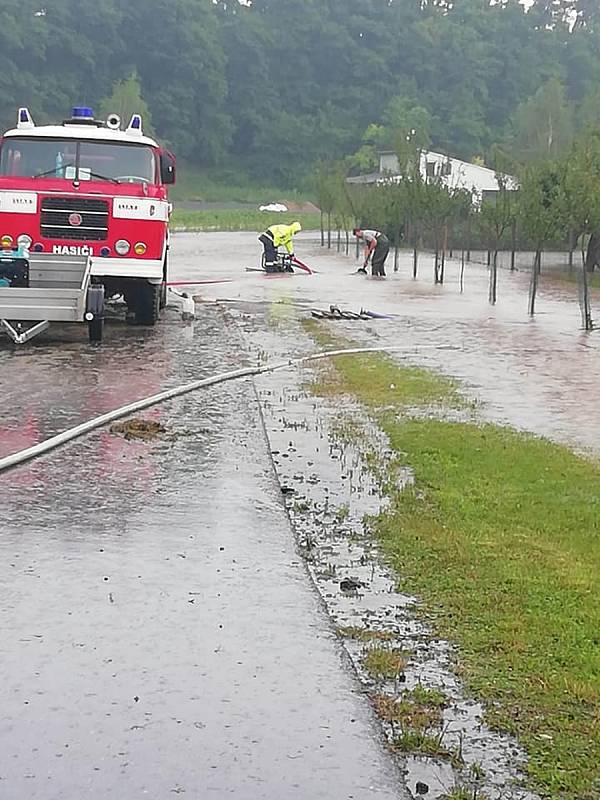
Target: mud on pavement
x,y
331,486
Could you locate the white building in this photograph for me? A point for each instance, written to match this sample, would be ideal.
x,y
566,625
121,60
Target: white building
x,y
451,172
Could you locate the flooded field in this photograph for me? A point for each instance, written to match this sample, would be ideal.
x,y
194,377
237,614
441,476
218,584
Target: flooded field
x,y
539,374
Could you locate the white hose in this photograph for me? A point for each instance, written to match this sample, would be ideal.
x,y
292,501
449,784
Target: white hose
x,y
80,430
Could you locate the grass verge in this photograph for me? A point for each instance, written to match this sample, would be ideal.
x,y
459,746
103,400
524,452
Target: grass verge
x,y
238,220
384,664
219,185
575,277
373,378
366,635
500,536
464,794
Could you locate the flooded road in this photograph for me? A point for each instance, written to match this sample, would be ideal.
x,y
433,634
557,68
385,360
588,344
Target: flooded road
x,y
540,374
160,632
160,635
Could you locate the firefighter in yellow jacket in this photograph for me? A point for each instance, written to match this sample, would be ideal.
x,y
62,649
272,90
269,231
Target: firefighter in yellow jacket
x,y
278,236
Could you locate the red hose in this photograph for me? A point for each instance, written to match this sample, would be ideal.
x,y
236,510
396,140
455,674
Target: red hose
x,y
305,267
199,283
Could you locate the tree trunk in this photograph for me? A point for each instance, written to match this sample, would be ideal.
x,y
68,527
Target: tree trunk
x,y
436,263
469,239
592,258
572,246
329,230
347,242
513,250
584,297
322,231
415,232
534,281
462,272
444,249
339,240
493,296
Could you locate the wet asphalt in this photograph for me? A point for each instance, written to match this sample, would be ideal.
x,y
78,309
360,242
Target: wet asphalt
x,y
160,633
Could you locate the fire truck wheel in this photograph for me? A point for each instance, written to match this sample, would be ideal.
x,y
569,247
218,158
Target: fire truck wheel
x,y
147,307
163,288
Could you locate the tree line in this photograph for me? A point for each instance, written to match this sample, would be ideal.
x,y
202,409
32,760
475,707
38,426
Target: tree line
x,y
272,86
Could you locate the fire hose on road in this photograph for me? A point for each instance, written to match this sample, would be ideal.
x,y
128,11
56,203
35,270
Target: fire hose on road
x,y
69,435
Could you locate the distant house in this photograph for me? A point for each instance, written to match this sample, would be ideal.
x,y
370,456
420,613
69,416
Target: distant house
x,y
452,172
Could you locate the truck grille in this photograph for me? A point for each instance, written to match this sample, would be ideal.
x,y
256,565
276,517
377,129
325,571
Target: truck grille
x,y
57,219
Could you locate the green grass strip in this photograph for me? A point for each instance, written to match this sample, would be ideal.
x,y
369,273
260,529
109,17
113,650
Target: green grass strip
x,y
228,185
373,377
593,278
500,536
238,220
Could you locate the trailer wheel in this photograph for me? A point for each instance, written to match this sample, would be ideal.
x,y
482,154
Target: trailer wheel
x,y
147,306
96,329
95,312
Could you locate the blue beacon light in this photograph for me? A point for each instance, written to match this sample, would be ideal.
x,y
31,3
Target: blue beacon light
x,y
82,112
136,122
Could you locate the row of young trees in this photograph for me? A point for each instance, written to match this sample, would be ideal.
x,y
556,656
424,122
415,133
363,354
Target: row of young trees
x,y
557,202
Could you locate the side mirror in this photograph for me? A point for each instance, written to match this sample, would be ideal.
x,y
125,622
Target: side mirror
x,y
167,168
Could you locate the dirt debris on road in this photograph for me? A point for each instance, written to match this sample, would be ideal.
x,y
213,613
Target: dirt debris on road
x,y
145,429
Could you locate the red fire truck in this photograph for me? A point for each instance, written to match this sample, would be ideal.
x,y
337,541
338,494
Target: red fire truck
x,y
84,216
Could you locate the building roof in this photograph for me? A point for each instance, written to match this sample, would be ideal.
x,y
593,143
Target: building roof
x,y
370,178
444,157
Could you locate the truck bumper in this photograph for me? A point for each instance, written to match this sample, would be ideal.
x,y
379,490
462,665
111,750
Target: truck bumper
x,y
127,268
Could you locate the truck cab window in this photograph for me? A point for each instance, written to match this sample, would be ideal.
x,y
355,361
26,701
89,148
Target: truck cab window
x,y
123,162
31,158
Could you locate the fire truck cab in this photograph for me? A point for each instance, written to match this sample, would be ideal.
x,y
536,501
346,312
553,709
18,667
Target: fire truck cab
x,y
84,210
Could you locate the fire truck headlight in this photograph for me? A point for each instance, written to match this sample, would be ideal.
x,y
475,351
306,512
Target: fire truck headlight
x,y
24,241
6,241
122,247
140,249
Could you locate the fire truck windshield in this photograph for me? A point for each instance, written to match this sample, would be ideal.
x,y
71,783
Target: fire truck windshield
x,y
71,159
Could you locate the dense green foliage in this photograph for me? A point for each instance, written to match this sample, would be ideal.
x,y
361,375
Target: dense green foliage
x,y
276,85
